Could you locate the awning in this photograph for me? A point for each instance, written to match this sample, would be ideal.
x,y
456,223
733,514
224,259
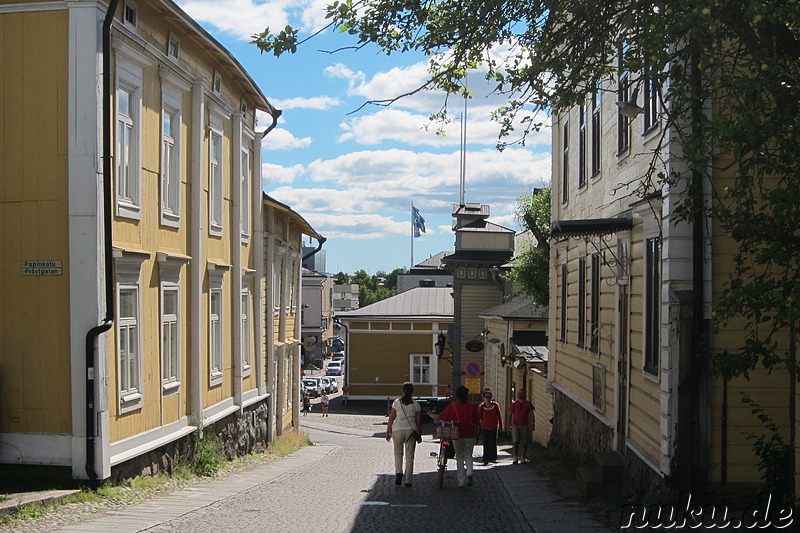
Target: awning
x,y
564,229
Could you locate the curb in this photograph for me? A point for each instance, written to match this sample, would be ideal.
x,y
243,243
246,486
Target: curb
x,y
17,500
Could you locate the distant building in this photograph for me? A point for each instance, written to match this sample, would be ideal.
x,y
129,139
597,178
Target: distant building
x,y
393,341
345,297
315,263
428,273
317,316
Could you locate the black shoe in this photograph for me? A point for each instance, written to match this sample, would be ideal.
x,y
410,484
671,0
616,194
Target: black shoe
x,y
469,481
398,479
408,485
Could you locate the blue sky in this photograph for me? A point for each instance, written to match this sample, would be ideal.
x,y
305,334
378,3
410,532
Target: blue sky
x,y
354,174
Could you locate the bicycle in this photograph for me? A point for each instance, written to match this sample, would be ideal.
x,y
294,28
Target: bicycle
x,y
447,432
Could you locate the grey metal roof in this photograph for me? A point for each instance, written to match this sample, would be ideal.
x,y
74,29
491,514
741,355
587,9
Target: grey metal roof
x,y
434,302
520,308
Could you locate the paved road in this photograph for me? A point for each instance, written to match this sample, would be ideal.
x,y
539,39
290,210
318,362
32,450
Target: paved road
x,y
345,484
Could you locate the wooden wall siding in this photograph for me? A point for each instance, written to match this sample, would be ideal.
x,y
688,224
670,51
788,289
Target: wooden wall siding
x,y
543,404
472,240
34,311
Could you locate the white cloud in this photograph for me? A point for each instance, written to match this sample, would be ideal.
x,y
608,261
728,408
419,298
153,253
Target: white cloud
x,y
317,102
271,173
281,139
416,129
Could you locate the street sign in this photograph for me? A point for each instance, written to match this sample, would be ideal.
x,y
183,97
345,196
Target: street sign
x,y
473,369
473,384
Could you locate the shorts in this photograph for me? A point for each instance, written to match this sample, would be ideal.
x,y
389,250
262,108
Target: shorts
x,y
520,434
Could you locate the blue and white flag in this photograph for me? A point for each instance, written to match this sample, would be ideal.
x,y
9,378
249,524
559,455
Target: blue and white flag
x,y
417,221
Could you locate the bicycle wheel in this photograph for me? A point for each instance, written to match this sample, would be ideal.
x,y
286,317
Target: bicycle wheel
x,y
442,462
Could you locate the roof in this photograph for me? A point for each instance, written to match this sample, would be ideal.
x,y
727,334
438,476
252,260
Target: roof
x,y
484,226
473,209
521,308
495,257
419,302
563,229
304,226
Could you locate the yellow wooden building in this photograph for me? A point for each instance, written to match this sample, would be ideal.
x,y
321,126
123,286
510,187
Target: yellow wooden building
x,y
394,341
137,266
629,285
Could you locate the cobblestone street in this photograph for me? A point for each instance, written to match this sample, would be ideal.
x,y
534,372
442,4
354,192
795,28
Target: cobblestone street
x,y
345,483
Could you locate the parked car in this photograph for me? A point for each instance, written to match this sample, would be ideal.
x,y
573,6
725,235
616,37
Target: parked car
x,y
334,368
329,384
337,356
334,382
436,405
312,387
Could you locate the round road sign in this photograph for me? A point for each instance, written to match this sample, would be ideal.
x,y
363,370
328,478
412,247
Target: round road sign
x,y
473,369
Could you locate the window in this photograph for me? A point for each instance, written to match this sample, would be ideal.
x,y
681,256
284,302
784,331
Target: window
x,y
128,126
216,85
127,267
650,104
128,341
581,301
172,91
563,337
170,178
565,163
215,182
623,95
596,132
421,369
127,146
594,306
170,334
173,47
246,179
130,14
652,295
582,146
245,329
215,335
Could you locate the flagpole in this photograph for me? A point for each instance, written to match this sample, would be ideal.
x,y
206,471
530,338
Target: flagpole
x,y
412,238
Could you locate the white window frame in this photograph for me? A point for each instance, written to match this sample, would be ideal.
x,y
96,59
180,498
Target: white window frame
x,y
170,324
134,7
246,179
172,90
173,52
216,178
418,363
246,331
130,388
130,65
216,330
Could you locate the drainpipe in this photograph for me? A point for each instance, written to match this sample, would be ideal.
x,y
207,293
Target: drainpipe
x,y
93,334
321,241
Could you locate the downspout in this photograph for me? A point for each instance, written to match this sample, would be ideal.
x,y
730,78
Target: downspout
x,y
321,241
93,334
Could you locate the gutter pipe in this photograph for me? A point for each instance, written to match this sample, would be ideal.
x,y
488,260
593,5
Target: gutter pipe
x,y
108,321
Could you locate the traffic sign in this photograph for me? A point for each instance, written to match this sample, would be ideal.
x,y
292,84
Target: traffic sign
x,y
473,369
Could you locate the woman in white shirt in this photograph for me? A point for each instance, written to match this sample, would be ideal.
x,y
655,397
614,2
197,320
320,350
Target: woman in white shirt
x,y
405,430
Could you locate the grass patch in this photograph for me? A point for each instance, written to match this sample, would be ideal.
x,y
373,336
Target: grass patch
x,y
288,443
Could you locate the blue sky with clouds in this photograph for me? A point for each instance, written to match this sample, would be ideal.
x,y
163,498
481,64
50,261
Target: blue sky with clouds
x,y
353,173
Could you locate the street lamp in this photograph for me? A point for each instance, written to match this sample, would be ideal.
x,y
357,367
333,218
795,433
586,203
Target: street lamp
x,y
440,348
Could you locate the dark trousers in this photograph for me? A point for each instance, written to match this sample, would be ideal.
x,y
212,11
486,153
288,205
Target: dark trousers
x,y
489,439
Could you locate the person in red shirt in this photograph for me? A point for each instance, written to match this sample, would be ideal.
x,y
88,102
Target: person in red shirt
x,y
466,414
491,420
522,421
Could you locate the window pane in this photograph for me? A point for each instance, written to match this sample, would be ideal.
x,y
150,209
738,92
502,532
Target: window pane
x,y
127,304
124,102
170,302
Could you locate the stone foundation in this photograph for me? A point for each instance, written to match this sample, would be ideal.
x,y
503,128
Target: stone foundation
x,y
576,432
241,434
